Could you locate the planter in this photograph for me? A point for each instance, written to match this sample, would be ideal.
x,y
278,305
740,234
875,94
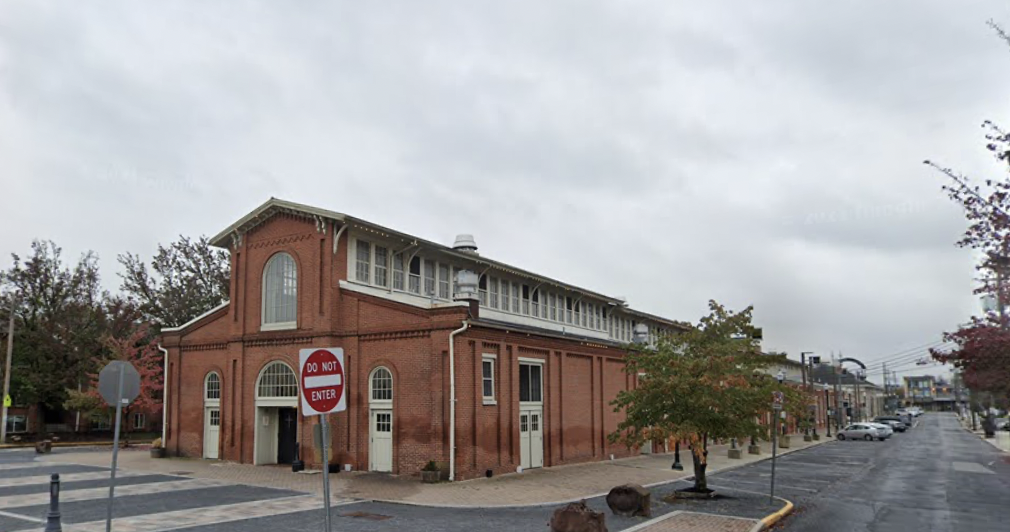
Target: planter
x,y
784,442
753,449
157,452
429,477
817,437
734,453
807,437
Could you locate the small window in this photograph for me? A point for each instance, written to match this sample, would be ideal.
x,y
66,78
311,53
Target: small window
x,y
515,298
443,281
364,263
381,385
415,275
17,423
494,292
398,271
139,421
523,423
101,422
381,257
535,303
487,373
383,422
482,290
505,289
215,418
526,299
429,278
553,305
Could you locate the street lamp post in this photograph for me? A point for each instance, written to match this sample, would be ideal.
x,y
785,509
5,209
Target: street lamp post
x,y
677,466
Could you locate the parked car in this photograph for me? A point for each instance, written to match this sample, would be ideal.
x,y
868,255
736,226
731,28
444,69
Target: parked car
x,y
896,422
886,430
862,431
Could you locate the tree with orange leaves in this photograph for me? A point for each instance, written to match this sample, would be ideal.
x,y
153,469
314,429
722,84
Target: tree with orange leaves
x,y
709,382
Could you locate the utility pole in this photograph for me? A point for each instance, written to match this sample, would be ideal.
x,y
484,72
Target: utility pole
x,y
7,372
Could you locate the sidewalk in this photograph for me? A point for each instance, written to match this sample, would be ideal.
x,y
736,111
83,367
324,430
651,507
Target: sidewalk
x,y
538,487
1001,441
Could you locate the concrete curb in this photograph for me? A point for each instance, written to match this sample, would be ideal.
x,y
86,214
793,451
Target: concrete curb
x,y
688,478
769,520
74,444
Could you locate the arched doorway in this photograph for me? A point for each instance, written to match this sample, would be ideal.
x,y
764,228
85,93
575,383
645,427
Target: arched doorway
x,y
380,420
211,415
276,432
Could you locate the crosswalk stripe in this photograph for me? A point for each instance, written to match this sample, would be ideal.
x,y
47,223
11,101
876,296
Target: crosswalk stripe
x,y
68,477
35,499
161,522
22,517
23,465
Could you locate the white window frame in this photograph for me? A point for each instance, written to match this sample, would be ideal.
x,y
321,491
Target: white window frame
x,y
399,272
533,362
362,266
444,282
277,325
493,359
211,401
493,289
371,390
143,420
13,422
430,275
380,267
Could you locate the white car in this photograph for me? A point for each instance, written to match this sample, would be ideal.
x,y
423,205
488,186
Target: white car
x,y
862,431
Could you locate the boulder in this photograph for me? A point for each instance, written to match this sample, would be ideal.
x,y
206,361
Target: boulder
x,y
577,517
630,500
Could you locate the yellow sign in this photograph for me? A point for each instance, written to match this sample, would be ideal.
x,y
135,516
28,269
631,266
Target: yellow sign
x,y
7,401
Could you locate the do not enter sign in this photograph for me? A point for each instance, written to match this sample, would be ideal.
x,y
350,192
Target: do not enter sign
x,y
322,380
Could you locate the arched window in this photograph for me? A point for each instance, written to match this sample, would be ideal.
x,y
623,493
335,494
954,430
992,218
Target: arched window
x,y
280,292
212,388
381,385
277,380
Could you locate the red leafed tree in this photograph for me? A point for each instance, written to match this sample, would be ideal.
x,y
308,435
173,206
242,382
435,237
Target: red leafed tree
x,y
982,349
139,349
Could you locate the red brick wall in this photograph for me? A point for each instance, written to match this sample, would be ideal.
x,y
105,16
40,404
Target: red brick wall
x,y
579,380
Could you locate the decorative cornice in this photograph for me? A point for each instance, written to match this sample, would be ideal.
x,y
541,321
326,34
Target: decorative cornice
x,y
395,335
301,340
280,241
204,347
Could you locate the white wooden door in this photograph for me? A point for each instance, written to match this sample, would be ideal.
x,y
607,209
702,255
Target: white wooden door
x,y
211,432
380,449
537,438
524,440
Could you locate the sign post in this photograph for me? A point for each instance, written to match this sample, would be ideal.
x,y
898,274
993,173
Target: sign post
x,y
119,384
322,390
777,399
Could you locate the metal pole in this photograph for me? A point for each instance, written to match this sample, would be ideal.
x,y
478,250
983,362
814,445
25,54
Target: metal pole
x,y
53,517
806,390
115,450
676,457
7,373
775,442
326,469
827,411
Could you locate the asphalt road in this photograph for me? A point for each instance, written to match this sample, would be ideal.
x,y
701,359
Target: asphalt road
x,y
935,477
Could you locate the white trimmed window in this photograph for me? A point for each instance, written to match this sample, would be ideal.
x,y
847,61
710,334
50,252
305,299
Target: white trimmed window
x,y
414,279
280,292
139,421
277,380
429,278
398,271
494,292
535,303
531,382
443,281
381,385
212,387
17,423
482,290
381,269
101,422
515,298
506,288
487,364
364,262
553,305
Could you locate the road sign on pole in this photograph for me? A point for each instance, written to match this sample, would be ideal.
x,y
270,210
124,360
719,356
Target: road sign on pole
x,y
323,391
118,384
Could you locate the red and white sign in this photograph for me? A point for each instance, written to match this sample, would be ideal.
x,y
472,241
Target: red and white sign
x,y
322,380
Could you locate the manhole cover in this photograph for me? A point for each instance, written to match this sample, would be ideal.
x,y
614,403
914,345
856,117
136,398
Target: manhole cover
x,y
367,515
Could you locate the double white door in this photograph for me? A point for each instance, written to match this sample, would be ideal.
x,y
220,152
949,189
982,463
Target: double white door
x,y
211,432
380,434
531,438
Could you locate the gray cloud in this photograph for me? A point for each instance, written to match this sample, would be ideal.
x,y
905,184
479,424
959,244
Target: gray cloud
x,y
672,152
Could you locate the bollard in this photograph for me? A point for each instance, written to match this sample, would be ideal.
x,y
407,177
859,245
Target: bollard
x,y
53,517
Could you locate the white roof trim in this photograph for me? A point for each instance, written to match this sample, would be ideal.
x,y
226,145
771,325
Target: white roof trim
x,y
196,319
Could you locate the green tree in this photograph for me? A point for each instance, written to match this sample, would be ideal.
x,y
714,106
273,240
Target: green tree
x,y
185,279
59,322
707,383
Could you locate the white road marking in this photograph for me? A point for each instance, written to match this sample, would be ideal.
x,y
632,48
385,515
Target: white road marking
x,y
22,465
161,522
35,499
970,467
24,517
69,477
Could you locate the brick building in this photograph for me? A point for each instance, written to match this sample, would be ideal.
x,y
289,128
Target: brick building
x,y
534,362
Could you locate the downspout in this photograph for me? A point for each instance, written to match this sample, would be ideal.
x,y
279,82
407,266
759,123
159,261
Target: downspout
x,y
164,402
452,399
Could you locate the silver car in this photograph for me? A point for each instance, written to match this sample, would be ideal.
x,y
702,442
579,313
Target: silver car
x,y
861,431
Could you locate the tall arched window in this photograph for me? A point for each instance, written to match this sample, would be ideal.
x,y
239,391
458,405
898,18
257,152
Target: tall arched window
x,y
277,380
212,388
280,292
381,385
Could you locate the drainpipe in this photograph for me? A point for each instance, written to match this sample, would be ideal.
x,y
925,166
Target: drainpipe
x,y
452,399
164,401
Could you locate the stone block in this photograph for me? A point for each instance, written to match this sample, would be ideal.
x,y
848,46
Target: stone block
x,y
577,517
630,500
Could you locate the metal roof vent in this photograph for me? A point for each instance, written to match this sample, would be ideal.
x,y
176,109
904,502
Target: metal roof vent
x,y
465,244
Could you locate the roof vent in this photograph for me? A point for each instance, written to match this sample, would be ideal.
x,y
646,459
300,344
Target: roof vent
x,y
465,244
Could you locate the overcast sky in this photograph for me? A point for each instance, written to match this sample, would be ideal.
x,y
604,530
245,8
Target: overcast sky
x,y
765,153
